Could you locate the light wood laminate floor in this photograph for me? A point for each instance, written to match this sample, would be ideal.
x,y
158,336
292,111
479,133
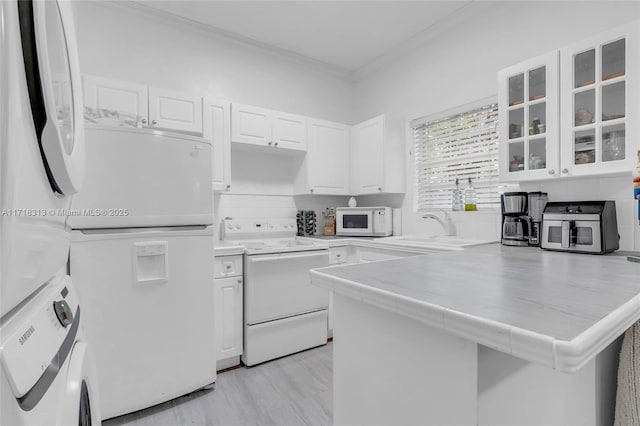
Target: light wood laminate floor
x,y
294,390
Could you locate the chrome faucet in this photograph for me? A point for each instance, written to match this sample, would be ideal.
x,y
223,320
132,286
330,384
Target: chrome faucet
x,y
447,224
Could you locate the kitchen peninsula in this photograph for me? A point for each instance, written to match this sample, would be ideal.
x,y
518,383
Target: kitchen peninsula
x,y
489,335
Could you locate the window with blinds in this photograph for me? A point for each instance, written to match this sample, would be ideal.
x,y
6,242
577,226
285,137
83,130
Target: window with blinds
x,y
461,145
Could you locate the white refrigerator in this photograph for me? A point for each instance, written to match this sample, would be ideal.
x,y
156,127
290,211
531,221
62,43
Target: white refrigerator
x,y
142,260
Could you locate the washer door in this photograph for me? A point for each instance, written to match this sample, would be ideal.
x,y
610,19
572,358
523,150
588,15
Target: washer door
x,y
53,78
79,403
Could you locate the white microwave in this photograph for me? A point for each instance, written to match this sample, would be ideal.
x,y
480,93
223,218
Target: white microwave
x,y
364,221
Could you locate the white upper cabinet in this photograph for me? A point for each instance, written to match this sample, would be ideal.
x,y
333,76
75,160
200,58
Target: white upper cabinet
x,y
377,164
325,169
217,128
175,110
580,126
367,148
599,90
528,119
250,124
289,130
116,102
264,127
115,96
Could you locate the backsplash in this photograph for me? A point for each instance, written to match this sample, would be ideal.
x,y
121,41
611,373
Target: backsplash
x,y
270,206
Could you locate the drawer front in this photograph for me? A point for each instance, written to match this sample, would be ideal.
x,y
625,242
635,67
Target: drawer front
x,y
337,255
227,266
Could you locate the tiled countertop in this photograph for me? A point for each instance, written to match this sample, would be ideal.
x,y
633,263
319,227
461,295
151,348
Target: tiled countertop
x,y
557,309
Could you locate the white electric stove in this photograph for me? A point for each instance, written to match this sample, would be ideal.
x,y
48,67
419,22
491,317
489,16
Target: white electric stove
x,y
283,312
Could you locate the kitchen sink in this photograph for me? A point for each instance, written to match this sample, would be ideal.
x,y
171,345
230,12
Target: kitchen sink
x,y
433,241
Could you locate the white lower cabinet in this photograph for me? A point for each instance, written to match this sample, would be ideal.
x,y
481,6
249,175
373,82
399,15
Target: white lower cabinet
x,y
337,255
228,314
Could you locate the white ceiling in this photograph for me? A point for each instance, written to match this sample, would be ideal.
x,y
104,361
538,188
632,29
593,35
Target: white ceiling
x,y
344,34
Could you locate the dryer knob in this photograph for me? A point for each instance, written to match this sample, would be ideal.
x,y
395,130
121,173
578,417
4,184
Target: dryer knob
x,y
63,312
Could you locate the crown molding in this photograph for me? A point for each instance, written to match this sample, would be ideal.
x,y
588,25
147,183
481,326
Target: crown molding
x,y
166,18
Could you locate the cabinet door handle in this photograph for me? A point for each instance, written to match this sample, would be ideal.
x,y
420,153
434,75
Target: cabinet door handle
x,y
565,171
154,122
552,172
275,144
379,188
144,121
239,280
311,190
228,187
269,143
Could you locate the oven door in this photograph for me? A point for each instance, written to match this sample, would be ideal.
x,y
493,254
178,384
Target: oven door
x,y
354,223
571,235
279,286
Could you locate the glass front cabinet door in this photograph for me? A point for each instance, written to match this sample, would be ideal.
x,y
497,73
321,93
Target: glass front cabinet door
x,y
528,119
599,98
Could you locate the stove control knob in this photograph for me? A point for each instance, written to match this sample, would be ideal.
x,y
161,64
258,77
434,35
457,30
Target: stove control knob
x,y
238,226
63,312
229,226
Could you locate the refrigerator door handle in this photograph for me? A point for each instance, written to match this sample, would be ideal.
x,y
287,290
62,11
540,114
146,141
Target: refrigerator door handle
x,y
105,231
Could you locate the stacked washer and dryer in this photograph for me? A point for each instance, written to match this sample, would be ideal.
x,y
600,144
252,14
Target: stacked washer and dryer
x,y
47,372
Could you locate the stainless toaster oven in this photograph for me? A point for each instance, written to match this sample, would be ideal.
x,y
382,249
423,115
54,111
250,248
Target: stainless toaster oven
x,y
580,227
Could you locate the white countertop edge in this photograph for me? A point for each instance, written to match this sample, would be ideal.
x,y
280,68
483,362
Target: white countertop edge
x,y
404,247
351,289
434,248
355,241
566,356
572,355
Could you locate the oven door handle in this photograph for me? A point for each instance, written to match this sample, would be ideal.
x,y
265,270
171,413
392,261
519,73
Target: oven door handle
x,y
287,256
568,228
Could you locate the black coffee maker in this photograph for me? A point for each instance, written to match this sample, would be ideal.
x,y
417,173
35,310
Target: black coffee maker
x,y
516,224
536,205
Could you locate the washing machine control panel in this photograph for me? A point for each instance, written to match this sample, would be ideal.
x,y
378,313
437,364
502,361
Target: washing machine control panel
x,y
63,312
40,331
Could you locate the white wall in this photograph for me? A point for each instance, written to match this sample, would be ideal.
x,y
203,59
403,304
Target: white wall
x,y
120,42
262,188
125,43
456,62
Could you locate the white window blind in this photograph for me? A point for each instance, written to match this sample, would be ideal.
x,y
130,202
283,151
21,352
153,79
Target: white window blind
x,y
460,145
